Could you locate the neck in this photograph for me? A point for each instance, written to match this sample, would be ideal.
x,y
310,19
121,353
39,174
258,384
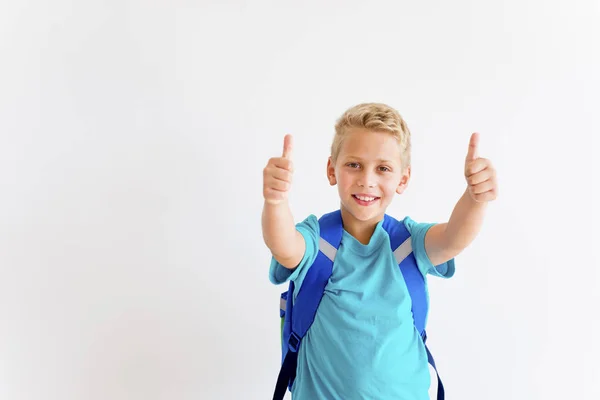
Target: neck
x,y
360,230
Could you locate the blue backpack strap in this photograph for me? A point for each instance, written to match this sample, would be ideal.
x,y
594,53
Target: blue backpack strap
x,y
401,245
300,313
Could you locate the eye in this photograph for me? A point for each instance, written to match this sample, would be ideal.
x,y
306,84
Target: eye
x,y
384,169
352,165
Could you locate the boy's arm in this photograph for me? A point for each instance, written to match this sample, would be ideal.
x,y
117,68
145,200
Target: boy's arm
x,y
281,236
287,245
445,241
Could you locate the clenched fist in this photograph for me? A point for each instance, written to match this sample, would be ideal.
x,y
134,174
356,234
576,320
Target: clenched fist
x,y
277,175
480,174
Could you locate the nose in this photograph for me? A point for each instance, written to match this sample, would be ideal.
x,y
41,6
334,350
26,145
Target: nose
x,y
367,179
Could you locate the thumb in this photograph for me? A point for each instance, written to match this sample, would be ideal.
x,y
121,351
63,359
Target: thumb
x,y
287,147
473,153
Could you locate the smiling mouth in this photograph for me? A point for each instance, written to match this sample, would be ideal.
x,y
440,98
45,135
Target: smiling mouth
x,y
365,200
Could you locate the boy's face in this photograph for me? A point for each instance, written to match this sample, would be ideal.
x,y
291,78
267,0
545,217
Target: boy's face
x,y
368,173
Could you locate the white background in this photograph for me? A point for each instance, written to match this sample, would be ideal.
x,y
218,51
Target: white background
x,y
133,135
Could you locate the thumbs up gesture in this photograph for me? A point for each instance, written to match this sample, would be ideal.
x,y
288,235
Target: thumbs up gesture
x,y
480,174
277,175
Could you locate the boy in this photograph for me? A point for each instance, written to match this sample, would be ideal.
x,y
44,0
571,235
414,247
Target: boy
x,y
363,343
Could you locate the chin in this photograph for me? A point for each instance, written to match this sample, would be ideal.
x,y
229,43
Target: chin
x,y
365,215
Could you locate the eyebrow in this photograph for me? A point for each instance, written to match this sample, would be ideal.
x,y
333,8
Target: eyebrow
x,y
381,160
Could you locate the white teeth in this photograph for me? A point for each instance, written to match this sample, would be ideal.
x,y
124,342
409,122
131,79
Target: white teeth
x,y
365,198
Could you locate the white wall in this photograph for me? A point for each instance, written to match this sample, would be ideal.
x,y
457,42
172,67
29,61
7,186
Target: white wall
x,y
132,140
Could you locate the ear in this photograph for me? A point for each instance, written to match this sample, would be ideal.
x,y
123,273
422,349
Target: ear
x,y
331,172
403,181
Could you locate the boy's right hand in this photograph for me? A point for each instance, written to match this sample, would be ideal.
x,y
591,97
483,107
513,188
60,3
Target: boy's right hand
x,y
277,175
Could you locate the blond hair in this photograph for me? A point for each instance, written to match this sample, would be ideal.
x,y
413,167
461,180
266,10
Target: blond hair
x,y
374,117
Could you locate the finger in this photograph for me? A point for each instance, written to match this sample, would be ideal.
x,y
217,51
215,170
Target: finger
x,y
487,196
280,174
483,187
476,166
473,152
481,176
278,185
280,162
287,147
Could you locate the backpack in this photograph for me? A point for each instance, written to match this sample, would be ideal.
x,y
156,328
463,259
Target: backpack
x,y
297,316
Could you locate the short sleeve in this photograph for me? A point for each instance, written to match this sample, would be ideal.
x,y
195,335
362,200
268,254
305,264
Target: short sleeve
x,y
417,233
278,274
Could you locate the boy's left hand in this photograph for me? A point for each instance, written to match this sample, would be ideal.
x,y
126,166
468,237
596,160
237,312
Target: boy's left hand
x,y
480,174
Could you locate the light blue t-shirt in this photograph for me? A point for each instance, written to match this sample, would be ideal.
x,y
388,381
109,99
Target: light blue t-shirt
x,y
363,343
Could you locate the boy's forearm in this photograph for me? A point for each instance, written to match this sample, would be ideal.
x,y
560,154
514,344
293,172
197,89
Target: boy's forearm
x,y
465,222
279,230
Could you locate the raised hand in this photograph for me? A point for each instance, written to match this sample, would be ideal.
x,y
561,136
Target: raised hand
x,y
480,174
277,175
